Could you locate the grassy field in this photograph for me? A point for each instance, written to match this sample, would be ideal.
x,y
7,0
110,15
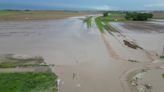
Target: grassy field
x,y
104,25
37,15
28,82
162,57
118,16
5,13
9,61
158,15
88,21
12,80
114,17
99,24
44,15
14,65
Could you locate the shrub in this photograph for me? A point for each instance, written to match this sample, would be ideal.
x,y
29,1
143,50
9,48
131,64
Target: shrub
x,y
105,14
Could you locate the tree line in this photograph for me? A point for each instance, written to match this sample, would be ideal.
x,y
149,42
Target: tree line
x,y
138,16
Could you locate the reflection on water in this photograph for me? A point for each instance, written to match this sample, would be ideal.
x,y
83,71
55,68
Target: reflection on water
x,y
56,40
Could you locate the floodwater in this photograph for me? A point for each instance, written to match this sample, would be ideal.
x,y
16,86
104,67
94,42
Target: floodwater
x,y
73,49
150,36
141,27
57,41
80,56
154,77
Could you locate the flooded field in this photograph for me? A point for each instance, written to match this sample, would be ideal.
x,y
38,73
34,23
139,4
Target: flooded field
x,y
45,38
82,58
68,45
150,36
142,27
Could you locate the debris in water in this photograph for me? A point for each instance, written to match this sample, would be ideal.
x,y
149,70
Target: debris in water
x,y
58,82
135,61
74,75
131,44
148,87
78,85
62,82
162,57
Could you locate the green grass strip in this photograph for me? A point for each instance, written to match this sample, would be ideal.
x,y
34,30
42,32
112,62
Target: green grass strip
x,y
99,24
13,65
6,13
103,25
162,57
28,82
5,65
88,21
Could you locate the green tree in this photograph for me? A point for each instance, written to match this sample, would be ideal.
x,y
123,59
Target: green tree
x,y
138,16
105,14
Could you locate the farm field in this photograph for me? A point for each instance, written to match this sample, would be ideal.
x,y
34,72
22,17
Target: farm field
x,y
158,15
38,15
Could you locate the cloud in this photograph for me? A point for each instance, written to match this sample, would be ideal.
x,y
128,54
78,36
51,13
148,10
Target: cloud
x,y
105,7
155,5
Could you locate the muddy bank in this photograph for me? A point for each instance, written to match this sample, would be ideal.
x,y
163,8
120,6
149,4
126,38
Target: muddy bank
x,y
147,79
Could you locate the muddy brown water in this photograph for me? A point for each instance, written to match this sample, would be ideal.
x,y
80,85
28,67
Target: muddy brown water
x,y
81,58
71,48
149,36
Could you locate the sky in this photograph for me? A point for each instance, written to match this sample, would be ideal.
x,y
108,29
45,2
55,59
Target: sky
x,y
83,4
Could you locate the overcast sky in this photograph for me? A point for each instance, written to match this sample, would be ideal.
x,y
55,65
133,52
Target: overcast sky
x,y
83,4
